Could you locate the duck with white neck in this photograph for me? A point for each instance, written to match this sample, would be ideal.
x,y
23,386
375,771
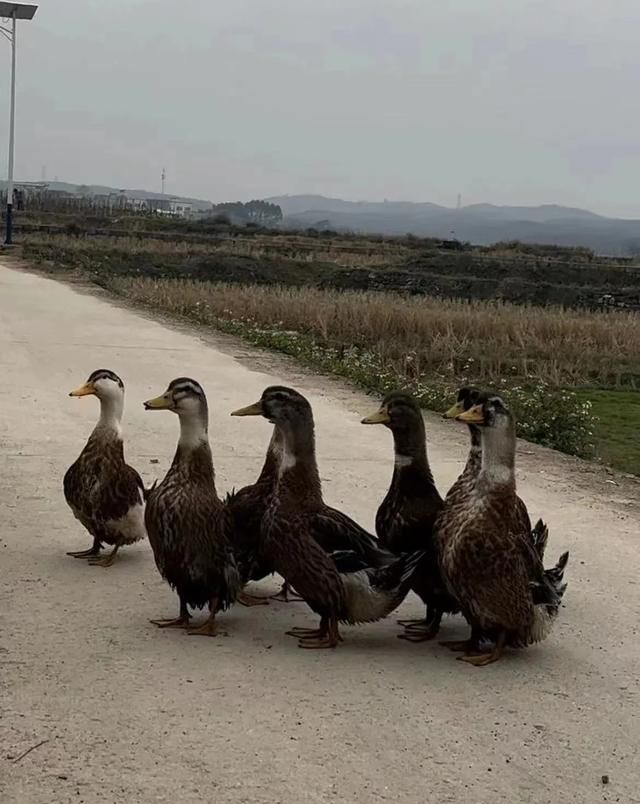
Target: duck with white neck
x,y
467,398
105,494
185,518
298,530
486,555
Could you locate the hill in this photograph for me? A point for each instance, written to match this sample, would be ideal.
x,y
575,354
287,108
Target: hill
x,y
482,224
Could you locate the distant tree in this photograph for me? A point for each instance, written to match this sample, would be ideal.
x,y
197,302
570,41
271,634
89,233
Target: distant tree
x,y
222,219
261,213
264,212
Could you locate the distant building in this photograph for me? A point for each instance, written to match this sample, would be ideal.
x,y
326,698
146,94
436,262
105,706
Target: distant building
x,y
183,209
137,204
169,206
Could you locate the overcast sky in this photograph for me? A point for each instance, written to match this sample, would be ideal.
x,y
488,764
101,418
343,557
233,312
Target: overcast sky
x,y
505,101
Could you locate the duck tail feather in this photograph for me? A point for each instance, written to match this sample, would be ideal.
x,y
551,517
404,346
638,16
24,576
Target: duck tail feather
x,y
540,537
544,618
547,597
373,593
397,574
555,575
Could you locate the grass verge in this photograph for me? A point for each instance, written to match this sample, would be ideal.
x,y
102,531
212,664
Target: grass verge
x,y
616,431
369,354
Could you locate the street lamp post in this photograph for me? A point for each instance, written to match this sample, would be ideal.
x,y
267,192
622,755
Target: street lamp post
x,y
13,12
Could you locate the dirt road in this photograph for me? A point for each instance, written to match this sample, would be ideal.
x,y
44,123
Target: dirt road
x,y
131,714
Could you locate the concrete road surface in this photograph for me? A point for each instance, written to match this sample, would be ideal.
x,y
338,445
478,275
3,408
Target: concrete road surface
x,y
117,711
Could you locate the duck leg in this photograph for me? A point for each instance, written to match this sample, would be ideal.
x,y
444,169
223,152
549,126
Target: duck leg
x,y
94,550
419,625
467,646
105,561
429,629
210,627
178,622
329,640
311,633
483,659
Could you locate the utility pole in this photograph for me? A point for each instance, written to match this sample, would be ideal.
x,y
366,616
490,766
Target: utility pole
x,y
12,11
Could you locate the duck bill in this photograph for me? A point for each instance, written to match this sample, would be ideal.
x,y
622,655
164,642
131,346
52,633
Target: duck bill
x,y
88,389
159,403
474,415
379,417
454,411
250,410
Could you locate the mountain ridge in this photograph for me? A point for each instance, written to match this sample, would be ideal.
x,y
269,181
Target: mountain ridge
x,y
481,224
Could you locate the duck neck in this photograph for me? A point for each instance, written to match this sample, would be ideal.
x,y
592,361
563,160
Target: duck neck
x,y
111,410
194,429
411,461
193,444
474,459
499,456
272,460
297,467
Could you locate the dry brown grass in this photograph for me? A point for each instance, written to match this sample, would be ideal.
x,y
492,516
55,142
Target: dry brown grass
x,y
349,255
421,336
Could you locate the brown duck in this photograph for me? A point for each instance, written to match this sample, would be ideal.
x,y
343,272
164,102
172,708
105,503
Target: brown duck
x,y
332,529
246,508
466,399
406,516
338,587
486,555
186,521
105,494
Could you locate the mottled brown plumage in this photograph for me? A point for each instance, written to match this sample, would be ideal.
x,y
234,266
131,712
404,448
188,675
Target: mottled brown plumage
x,y
486,555
105,494
406,516
289,538
246,509
331,529
539,534
186,520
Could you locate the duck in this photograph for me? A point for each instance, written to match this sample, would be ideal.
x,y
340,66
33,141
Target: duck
x,y
467,397
104,493
405,519
340,585
187,523
246,508
334,531
486,556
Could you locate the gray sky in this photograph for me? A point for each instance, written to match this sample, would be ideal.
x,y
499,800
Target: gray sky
x,y
505,101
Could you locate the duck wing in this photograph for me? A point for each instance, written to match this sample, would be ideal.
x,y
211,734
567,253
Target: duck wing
x,y
333,530
290,546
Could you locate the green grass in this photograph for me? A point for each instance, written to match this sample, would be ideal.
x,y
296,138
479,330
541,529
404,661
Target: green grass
x,y
617,429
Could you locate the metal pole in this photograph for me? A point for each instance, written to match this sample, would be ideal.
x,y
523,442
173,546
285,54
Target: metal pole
x,y
12,133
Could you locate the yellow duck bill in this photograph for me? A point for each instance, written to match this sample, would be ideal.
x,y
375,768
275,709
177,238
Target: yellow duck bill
x,y
454,411
159,403
474,415
88,389
250,410
379,417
